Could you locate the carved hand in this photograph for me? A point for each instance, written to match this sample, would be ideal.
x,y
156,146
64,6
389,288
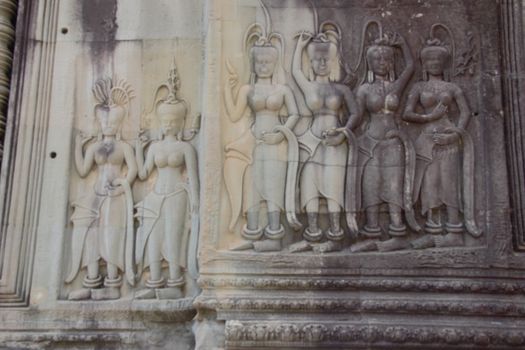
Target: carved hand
x,y
273,138
392,134
142,140
443,139
115,189
233,77
399,40
333,138
304,39
439,111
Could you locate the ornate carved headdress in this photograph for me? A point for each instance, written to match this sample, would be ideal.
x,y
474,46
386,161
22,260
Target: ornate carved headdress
x,y
113,94
259,38
434,44
167,99
327,33
382,43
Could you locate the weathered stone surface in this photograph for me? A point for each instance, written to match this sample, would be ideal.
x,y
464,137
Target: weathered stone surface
x,y
224,174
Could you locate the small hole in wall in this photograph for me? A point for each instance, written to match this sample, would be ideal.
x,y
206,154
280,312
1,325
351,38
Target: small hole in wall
x,y
64,30
53,155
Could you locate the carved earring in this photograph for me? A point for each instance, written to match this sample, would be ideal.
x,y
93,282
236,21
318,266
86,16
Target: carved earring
x,y
391,75
446,74
370,77
425,75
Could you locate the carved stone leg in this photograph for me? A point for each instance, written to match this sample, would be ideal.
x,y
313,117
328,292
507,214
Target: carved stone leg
x,y
313,233
371,232
433,224
249,236
151,285
272,242
433,227
111,288
397,242
85,293
92,280
453,238
173,289
335,236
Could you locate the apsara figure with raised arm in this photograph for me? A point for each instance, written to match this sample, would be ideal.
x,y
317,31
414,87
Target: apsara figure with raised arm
x,y
261,166
386,156
103,219
441,178
325,142
164,233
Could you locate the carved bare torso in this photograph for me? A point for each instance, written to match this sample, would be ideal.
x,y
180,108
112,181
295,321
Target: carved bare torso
x,y
325,100
265,101
109,157
169,158
431,94
381,106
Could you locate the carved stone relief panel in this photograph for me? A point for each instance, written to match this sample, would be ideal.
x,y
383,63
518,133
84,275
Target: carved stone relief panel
x,y
104,233
389,173
133,222
383,132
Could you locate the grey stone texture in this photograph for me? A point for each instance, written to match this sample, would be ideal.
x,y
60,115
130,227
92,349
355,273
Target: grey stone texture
x,y
274,174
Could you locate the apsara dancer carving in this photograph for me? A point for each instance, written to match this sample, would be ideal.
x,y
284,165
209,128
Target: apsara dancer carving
x,y
103,219
385,168
326,144
164,233
261,166
441,179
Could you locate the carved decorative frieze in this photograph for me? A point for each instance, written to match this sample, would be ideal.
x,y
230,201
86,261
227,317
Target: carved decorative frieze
x,y
242,305
383,284
268,334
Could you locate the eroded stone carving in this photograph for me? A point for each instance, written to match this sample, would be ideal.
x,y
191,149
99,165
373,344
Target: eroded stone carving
x,y
325,144
441,179
103,218
261,165
385,164
163,233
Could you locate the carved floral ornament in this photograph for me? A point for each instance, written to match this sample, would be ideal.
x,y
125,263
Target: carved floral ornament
x,y
356,160
250,333
104,231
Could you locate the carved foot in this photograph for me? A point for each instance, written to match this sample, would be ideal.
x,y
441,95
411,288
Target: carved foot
x,y
274,234
424,242
370,232
368,245
327,247
392,244
312,235
267,245
244,245
251,234
433,228
147,293
80,294
106,293
169,293
450,240
302,246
